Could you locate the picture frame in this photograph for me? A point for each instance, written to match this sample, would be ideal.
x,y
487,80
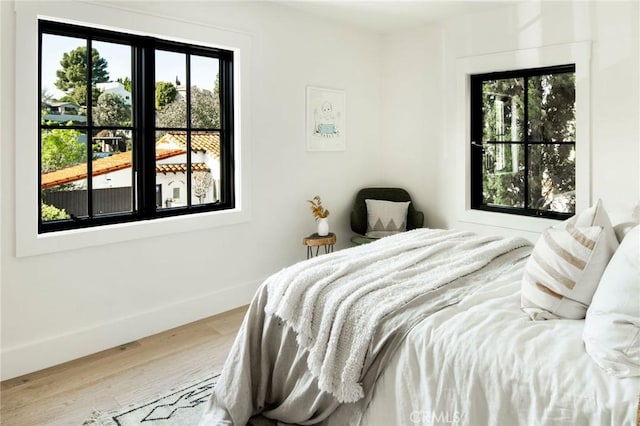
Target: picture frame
x,y
326,119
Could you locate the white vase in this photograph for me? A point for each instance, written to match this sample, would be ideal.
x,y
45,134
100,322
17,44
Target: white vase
x,y
323,227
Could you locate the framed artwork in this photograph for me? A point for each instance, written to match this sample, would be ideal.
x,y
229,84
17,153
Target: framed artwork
x,y
326,119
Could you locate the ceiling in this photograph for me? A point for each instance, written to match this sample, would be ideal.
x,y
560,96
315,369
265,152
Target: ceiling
x,y
389,15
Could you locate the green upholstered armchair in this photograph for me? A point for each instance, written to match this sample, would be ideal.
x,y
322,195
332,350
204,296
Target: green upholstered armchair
x,y
415,219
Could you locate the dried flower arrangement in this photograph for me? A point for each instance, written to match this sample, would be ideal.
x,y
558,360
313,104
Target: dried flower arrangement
x,y
318,211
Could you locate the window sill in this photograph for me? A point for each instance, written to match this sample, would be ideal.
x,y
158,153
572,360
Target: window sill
x,y
507,221
53,242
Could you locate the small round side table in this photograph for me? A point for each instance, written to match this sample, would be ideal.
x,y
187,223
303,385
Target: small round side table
x,y
315,240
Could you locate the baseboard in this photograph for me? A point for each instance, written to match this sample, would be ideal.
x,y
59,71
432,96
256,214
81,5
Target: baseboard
x,y
30,357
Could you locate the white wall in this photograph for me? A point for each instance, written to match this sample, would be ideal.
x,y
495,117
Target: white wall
x,y
412,115
59,306
612,29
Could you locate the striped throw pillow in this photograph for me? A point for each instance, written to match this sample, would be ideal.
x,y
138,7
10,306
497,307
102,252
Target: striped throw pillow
x,y
566,264
595,215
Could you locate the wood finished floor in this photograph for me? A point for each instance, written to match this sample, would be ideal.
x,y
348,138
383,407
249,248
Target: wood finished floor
x,y
67,394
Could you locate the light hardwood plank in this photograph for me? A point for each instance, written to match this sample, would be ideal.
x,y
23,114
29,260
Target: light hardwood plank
x,y
68,393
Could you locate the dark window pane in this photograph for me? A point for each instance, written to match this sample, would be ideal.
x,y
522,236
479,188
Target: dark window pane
x,y
503,175
205,171
63,175
171,89
112,171
63,201
64,76
552,111
113,103
62,148
205,93
552,177
502,110
171,168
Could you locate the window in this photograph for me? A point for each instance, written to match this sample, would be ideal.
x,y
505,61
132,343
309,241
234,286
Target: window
x,y
523,145
126,120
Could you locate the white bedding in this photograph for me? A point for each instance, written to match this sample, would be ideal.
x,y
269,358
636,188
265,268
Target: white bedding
x,y
484,362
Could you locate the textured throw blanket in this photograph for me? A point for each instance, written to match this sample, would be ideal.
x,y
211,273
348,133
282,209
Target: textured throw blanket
x,y
335,302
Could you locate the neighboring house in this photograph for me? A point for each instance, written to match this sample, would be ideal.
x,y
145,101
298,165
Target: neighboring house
x,y
181,91
115,171
63,112
117,88
205,156
109,144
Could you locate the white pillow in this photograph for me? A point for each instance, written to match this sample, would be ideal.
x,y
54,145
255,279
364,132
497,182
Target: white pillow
x,y
386,217
621,229
566,264
612,326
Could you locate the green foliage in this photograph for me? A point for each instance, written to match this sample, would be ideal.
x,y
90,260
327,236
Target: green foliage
x,y
552,108
505,189
72,77
126,82
78,96
165,93
205,108
50,212
111,110
205,111
509,93
60,148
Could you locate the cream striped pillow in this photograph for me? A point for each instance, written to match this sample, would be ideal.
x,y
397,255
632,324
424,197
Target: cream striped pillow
x,y
566,264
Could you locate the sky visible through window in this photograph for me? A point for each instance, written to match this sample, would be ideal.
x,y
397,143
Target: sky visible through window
x,y
203,70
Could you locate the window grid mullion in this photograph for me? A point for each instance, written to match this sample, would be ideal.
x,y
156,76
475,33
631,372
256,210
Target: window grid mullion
x,y
148,145
226,135
476,149
189,124
89,130
525,136
531,142
137,54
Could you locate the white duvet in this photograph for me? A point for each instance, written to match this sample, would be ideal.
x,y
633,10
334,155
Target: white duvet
x,y
484,362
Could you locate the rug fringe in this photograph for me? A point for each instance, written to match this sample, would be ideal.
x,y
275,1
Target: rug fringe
x,y
189,400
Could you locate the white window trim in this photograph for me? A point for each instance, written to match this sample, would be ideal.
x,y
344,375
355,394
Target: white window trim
x,y
28,241
578,53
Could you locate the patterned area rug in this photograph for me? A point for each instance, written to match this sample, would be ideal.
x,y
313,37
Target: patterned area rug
x,y
182,407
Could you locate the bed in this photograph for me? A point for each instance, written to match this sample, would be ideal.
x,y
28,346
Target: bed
x,y
425,327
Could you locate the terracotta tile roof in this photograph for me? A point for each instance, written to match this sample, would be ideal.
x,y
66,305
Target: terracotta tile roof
x,y
101,166
200,142
181,168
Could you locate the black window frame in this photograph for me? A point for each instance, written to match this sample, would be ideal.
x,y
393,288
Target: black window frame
x,y
144,127
477,148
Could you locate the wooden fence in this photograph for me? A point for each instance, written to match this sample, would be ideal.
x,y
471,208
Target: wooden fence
x,y
108,200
